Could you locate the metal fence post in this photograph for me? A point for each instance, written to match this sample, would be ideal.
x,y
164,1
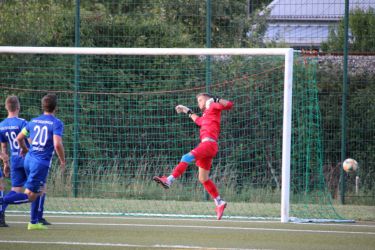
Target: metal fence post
x,y
344,101
76,100
208,44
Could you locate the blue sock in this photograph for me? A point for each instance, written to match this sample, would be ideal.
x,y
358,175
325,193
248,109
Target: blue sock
x,y
34,211
15,198
5,205
41,206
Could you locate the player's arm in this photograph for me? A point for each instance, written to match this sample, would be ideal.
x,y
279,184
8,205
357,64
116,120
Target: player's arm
x,y
29,140
227,104
5,158
219,103
4,150
59,148
186,110
21,141
196,118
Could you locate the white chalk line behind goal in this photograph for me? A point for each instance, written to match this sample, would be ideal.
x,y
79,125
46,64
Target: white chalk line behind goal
x,y
132,225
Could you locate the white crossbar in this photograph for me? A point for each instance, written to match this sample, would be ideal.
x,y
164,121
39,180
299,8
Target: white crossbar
x,y
141,51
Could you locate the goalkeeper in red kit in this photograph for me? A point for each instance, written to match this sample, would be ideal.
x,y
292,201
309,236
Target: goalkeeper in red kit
x,y
207,149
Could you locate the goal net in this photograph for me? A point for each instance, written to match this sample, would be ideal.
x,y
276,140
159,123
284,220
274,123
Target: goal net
x,y
121,129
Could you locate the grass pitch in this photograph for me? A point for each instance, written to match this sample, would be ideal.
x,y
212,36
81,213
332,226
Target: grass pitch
x,y
93,232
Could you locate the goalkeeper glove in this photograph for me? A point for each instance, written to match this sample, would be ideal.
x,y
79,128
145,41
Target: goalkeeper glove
x,y
190,112
184,109
208,102
216,98
211,100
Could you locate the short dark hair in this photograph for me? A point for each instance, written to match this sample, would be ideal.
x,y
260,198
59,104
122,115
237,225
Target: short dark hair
x,y
204,94
12,103
49,103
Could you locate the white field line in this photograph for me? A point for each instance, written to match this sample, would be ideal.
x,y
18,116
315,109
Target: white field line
x,y
193,219
337,224
143,218
149,215
206,227
105,244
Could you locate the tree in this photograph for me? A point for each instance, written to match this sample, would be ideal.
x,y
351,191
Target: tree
x,y
361,33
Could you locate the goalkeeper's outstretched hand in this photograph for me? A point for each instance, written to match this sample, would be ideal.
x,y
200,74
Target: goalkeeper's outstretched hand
x,y
183,109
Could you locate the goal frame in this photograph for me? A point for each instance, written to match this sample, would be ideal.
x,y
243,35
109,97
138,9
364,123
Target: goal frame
x,y
288,85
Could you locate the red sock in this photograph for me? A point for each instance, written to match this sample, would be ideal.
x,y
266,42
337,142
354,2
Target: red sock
x,y
211,188
179,169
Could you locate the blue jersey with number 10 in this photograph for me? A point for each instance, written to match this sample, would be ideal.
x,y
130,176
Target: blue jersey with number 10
x,y
9,129
41,131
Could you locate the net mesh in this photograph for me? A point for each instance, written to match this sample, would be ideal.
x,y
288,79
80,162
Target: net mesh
x,y
121,126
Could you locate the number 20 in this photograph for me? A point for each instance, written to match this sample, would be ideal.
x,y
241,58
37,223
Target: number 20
x,y
41,136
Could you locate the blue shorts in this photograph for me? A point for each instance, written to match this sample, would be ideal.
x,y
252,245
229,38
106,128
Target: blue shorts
x,y
17,172
37,172
1,173
18,176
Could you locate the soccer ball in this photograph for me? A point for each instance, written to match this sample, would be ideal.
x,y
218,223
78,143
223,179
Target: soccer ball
x,y
350,165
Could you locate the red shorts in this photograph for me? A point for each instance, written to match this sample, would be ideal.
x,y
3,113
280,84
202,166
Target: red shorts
x,y
204,153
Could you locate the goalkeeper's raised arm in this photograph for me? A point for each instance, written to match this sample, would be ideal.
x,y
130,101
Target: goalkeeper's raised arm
x,y
203,154
205,101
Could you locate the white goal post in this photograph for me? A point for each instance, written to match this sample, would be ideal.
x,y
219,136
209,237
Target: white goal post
x,y
288,84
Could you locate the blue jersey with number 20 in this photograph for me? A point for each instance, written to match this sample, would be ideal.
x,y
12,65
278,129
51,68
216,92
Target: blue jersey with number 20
x,y
41,131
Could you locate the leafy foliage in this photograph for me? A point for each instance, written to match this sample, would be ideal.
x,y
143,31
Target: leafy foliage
x,y
170,23
361,30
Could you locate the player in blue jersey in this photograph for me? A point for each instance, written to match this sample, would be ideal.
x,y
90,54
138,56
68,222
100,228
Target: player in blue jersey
x,y
5,159
9,129
45,134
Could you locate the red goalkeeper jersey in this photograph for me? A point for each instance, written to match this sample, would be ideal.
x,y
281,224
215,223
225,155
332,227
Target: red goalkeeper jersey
x,y
209,122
